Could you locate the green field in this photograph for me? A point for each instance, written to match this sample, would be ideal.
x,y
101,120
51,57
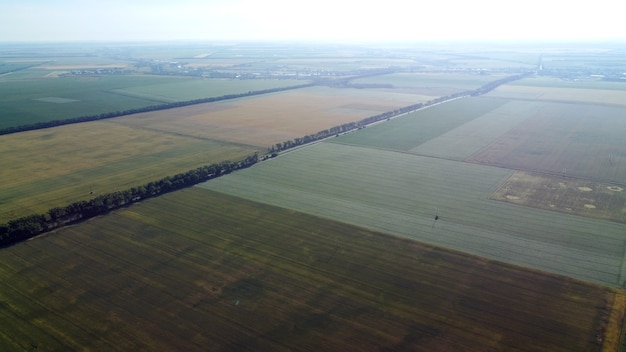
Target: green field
x,y
201,271
412,130
189,89
464,140
399,193
433,84
25,101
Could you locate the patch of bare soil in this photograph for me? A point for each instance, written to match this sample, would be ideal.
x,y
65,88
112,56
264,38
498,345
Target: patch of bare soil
x,y
572,196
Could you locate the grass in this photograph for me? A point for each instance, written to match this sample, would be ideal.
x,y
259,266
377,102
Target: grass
x,y
198,270
399,193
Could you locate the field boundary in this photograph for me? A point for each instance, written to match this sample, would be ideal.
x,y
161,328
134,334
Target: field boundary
x,y
615,330
622,269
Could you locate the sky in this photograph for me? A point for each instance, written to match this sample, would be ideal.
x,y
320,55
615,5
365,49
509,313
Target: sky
x,y
320,20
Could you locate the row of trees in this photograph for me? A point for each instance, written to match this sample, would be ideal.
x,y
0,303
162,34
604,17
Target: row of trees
x,y
495,84
108,115
26,227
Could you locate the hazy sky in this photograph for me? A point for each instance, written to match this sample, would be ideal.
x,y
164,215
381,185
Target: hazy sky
x,y
338,20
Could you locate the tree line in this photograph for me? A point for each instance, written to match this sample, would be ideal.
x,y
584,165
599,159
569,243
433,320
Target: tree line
x,y
32,225
112,114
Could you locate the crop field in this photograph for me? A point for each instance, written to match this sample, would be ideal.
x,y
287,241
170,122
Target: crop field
x,y
340,63
494,222
412,130
555,82
400,194
573,196
433,84
189,89
7,67
598,60
578,140
385,177
196,270
265,120
54,167
26,101
464,140
558,90
575,140
506,61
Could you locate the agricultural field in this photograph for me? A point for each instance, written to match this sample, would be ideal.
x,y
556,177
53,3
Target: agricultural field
x,y
573,140
30,100
578,140
552,89
400,193
52,167
568,195
199,270
435,84
413,130
189,89
265,120
454,160
7,67
483,223
464,140
336,64
55,167
604,58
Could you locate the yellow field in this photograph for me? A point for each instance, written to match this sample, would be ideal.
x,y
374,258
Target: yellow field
x,y
54,167
265,120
